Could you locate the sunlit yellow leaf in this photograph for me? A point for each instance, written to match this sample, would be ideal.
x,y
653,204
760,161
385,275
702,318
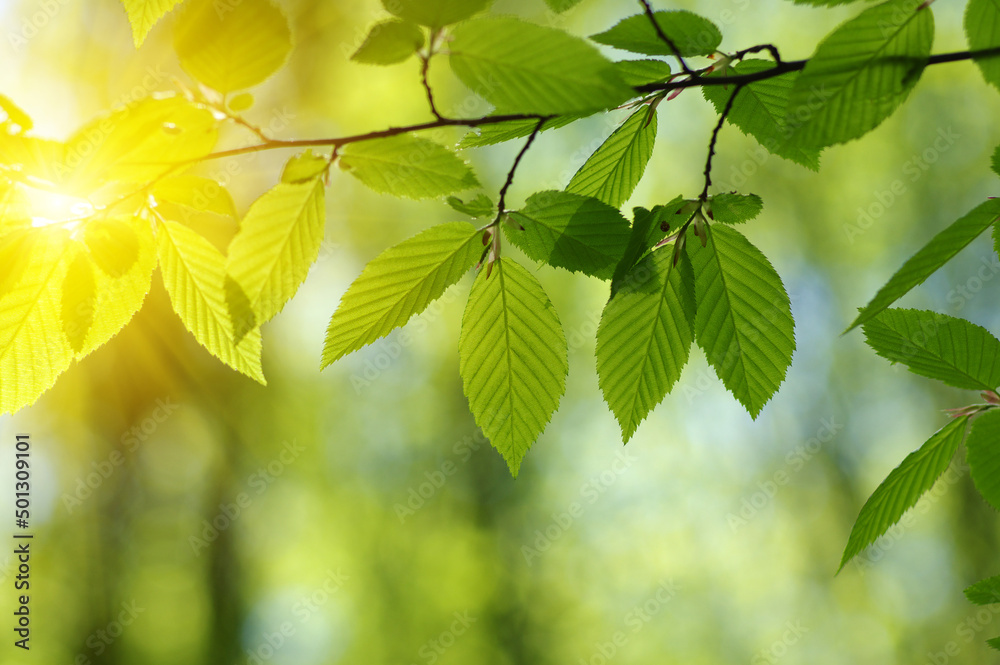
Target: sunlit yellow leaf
x,y
193,273
143,14
201,204
120,297
34,350
79,297
232,44
113,245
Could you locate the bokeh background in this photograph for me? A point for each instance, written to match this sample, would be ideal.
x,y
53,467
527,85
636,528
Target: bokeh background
x,y
184,514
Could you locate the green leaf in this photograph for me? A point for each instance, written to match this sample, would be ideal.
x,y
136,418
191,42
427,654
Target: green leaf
x,y
79,298
613,171
642,72
271,254
34,349
398,284
982,450
570,231
407,166
937,346
931,256
390,42
136,143
120,290
645,335
508,130
644,235
982,28
113,244
903,487
143,15
202,204
435,13
513,358
303,167
860,73
733,208
232,45
692,34
478,206
521,67
984,592
744,321
194,272
759,110
995,161
559,6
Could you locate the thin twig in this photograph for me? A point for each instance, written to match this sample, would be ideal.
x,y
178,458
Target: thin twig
x,y
715,137
424,67
770,48
666,40
513,169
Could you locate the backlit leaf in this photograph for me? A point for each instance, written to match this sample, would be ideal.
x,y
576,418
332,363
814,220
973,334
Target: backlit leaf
x,y
407,166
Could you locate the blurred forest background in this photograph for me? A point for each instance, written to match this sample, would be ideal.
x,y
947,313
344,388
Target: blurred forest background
x,y
374,523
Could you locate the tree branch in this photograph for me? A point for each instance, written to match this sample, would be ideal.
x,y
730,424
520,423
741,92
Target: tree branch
x,y
695,81
715,137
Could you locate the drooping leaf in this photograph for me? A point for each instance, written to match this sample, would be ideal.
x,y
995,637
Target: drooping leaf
x,y
303,167
570,231
120,290
733,208
194,272
982,450
521,67
613,171
34,350
744,321
930,257
269,258
137,143
407,166
946,348
232,45
143,15
860,74
435,13
691,33
513,358
982,28
113,244
642,72
16,247
79,298
645,233
389,42
759,110
478,206
995,161
202,204
509,130
903,487
984,592
645,335
398,284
